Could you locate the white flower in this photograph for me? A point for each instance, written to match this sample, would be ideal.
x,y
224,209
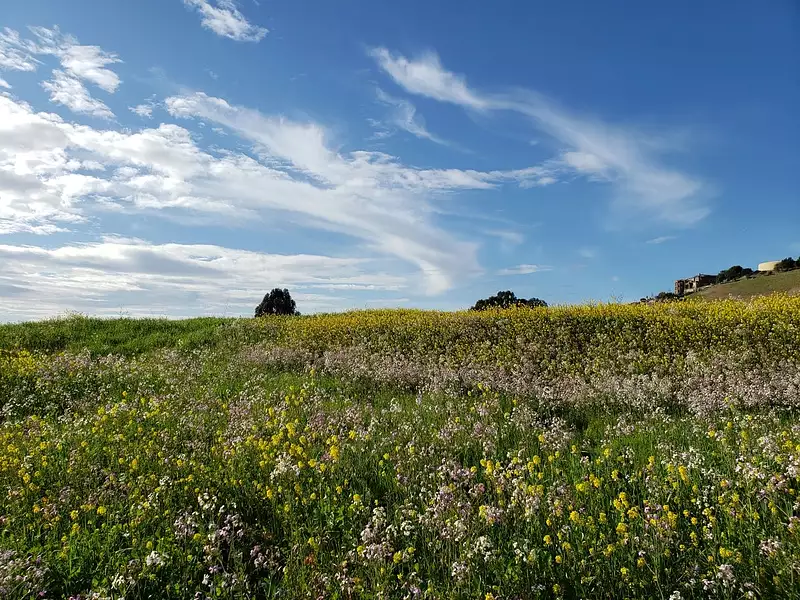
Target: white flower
x,y
154,559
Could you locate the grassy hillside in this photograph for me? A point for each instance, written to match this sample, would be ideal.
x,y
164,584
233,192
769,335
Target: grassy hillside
x,y
787,283
111,336
612,451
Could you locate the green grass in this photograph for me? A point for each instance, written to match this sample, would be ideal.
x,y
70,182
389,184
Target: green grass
x,y
762,285
111,336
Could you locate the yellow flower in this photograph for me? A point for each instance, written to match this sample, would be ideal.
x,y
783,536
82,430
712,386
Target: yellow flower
x,y
559,560
641,562
548,540
622,528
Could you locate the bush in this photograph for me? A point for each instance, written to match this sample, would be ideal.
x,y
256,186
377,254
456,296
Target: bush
x,y
507,299
788,264
277,302
734,273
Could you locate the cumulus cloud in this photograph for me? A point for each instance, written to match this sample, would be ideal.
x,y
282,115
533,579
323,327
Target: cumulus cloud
x,y
4,84
177,280
624,158
223,18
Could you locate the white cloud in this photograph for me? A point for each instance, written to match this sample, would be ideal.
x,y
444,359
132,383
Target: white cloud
x,y
79,63
4,84
624,158
661,239
588,253
299,179
404,116
54,174
84,62
585,162
12,55
168,279
223,18
145,109
426,76
524,270
366,194
69,91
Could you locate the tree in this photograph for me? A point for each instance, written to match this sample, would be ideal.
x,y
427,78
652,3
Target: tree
x,y
787,264
277,302
507,299
735,272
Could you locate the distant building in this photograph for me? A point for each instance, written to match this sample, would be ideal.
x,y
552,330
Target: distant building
x,y
688,286
768,266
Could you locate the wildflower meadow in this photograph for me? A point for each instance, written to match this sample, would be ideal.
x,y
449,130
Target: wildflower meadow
x,y
601,451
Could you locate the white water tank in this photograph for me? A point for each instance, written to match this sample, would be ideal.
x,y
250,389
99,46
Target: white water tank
x,y
768,266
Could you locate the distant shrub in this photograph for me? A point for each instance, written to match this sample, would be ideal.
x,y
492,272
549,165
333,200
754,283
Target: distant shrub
x,y
507,299
788,264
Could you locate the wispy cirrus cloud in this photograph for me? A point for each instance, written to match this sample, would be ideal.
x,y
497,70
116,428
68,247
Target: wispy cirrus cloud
x,y
224,18
404,116
524,269
55,174
661,239
624,158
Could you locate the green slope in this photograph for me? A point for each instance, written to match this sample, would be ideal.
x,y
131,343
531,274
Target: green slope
x,y
788,283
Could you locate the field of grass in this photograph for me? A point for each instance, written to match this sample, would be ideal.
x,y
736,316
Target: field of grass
x,y
786,283
584,452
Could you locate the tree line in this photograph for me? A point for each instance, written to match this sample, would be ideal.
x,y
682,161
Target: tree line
x,y
280,302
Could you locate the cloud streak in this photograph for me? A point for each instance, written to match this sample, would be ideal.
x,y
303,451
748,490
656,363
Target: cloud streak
x,y
524,270
168,279
404,116
623,158
661,239
223,18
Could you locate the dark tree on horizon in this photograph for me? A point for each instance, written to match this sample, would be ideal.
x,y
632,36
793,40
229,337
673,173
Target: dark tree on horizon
x,y
507,299
277,302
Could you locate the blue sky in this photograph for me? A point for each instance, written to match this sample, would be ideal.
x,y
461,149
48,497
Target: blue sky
x,y
183,157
